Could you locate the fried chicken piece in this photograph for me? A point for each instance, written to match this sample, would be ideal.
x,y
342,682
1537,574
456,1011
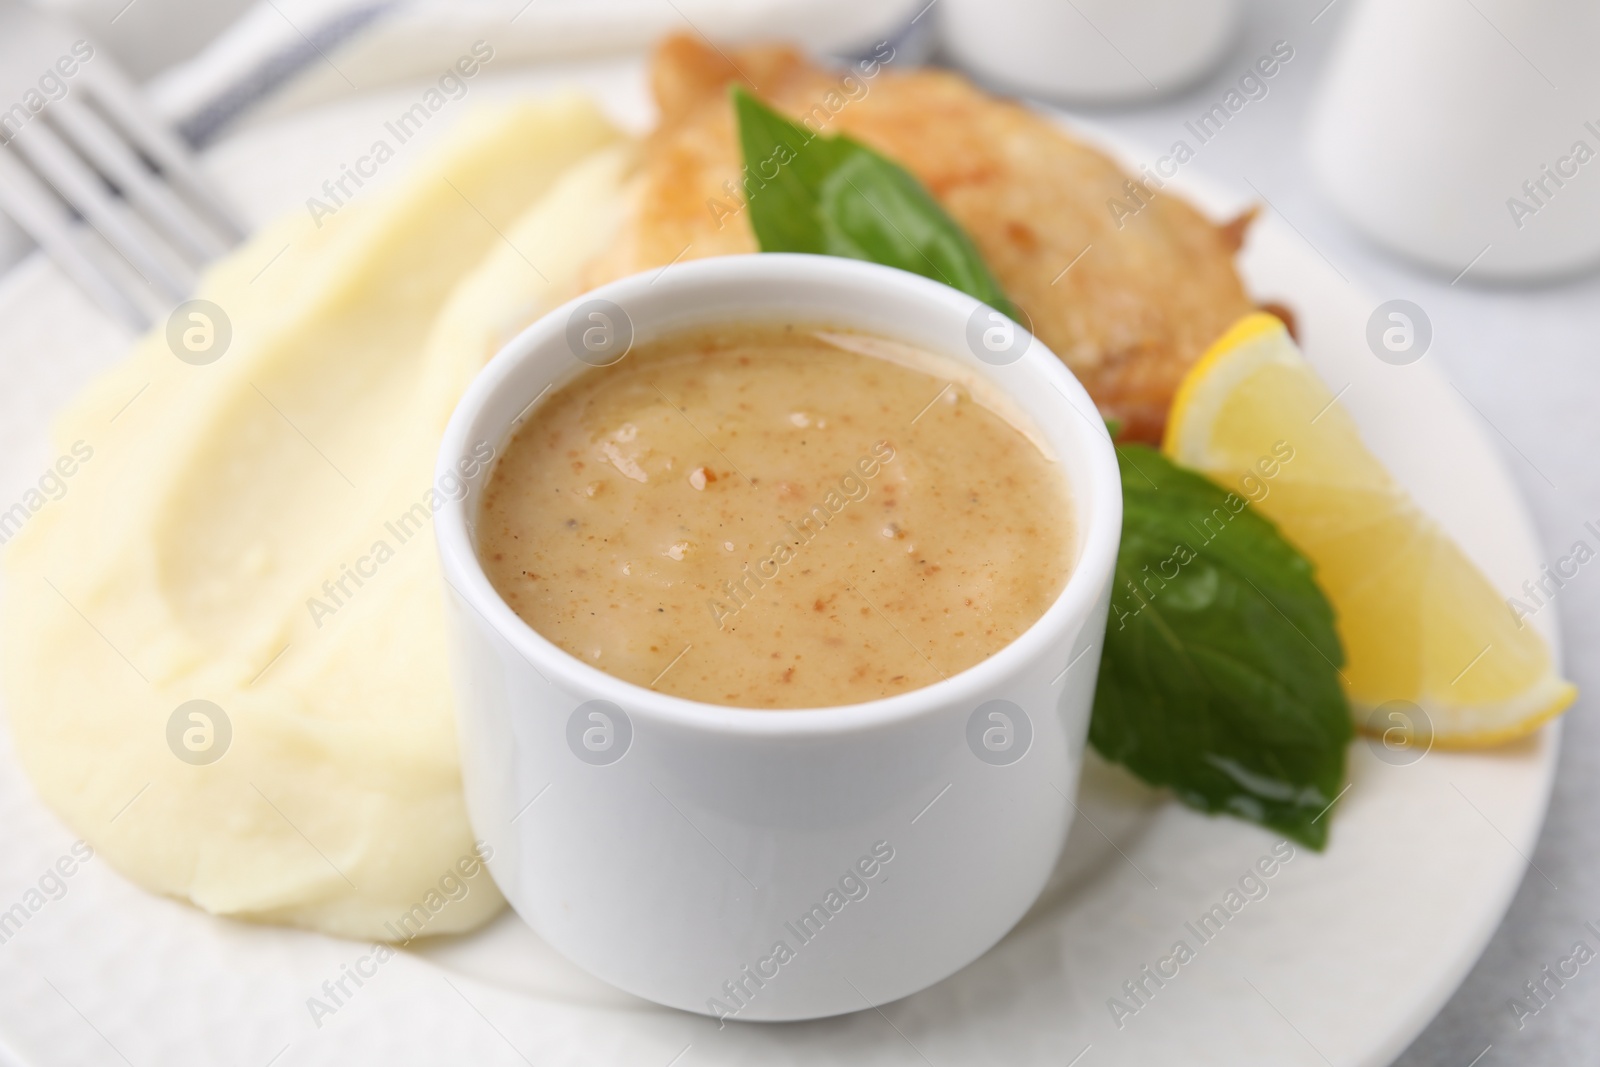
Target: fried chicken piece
x,y
1140,302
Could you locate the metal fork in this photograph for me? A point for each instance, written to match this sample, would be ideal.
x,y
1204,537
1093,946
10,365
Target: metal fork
x,y
79,144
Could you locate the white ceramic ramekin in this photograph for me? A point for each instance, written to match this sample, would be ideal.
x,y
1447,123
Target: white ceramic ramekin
x,y
774,864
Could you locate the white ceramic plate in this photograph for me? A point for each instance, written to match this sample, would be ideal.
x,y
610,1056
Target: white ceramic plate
x,y
1340,965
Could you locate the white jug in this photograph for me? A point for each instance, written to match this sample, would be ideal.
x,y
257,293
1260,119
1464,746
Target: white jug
x,y
1465,134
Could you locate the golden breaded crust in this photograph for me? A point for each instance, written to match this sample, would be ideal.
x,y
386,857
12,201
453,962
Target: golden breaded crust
x,y
1129,318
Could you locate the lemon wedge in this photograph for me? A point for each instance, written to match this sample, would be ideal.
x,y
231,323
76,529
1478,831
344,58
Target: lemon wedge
x,y
1421,624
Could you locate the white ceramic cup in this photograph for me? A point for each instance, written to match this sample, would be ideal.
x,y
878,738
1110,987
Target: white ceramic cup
x,y
670,847
1440,131
1092,51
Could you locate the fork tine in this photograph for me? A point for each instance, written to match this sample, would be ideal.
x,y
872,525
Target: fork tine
x,y
83,190
122,101
177,221
33,207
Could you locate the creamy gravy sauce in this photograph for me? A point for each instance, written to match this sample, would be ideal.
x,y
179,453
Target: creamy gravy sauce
x,y
766,517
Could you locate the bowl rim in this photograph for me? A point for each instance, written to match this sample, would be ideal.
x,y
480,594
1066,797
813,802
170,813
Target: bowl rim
x,y
1097,501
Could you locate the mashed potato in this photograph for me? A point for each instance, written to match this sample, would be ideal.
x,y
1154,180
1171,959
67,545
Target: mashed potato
x,y
255,533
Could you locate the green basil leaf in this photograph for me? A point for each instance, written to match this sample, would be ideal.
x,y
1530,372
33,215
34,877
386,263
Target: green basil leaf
x,y
835,196
1220,673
